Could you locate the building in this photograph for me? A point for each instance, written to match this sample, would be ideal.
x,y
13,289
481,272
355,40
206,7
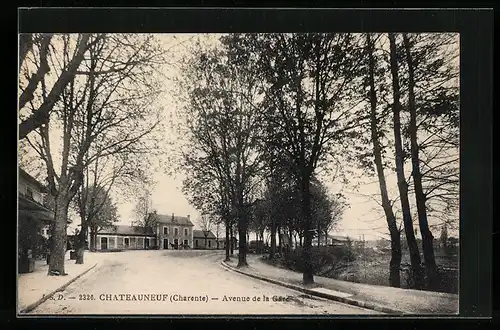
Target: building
x,y
339,240
222,243
169,232
121,237
204,239
174,232
34,220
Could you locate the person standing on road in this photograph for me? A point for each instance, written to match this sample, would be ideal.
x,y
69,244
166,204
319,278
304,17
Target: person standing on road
x,y
50,242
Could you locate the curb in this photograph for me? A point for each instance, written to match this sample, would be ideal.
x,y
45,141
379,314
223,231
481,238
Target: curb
x,y
40,301
349,301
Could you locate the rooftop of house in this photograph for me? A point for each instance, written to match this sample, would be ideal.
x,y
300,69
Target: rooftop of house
x,y
174,220
338,238
23,175
202,233
126,230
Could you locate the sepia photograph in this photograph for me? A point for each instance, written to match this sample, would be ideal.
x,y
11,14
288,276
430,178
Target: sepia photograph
x,y
238,174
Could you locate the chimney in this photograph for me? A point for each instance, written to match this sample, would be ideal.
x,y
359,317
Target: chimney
x,y
189,217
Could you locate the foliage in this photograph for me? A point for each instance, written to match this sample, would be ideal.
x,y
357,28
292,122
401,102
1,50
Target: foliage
x,y
323,257
100,211
145,215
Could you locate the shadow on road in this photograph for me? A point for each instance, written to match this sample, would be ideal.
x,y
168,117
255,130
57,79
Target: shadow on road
x,y
191,253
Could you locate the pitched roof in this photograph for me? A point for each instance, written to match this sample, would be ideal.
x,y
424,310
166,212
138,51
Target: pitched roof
x,y
126,230
27,177
201,234
174,219
338,238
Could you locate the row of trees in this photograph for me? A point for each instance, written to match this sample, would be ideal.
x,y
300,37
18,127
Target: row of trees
x,y
86,109
266,113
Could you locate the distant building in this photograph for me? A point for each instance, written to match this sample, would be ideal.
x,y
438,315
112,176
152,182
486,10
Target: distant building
x,y
333,240
174,232
170,232
121,237
222,243
339,240
204,239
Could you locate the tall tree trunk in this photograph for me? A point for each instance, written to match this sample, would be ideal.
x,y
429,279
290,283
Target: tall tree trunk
x,y
307,276
261,245
402,185
58,248
427,238
395,263
242,233
272,251
232,241
280,241
92,239
80,244
228,234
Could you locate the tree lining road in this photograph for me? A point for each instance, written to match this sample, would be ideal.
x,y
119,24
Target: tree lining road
x,y
170,282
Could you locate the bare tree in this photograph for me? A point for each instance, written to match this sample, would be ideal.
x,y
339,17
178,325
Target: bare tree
x,y
40,114
206,224
222,123
400,156
309,80
103,113
395,263
439,101
98,213
145,214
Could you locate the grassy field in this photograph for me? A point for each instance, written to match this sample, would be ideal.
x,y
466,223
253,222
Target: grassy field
x,y
370,266
374,269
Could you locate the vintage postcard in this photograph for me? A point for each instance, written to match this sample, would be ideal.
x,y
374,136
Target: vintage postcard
x,y
238,174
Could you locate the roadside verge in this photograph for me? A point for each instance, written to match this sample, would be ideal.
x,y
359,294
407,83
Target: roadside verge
x,y
340,296
40,295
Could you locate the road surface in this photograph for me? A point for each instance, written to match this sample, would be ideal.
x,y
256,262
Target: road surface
x,y
180,282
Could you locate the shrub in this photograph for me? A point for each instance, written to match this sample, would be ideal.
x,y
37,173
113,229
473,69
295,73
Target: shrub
x,y
322,257
447,277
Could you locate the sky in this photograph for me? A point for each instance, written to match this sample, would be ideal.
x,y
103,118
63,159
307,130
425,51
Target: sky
x,y
363,218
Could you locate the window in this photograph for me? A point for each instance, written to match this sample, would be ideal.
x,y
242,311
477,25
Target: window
x,y
176,231
29,192
111,243
185,231
165,230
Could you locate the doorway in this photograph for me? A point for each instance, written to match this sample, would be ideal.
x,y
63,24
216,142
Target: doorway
x,y
146,242
165,243
104,243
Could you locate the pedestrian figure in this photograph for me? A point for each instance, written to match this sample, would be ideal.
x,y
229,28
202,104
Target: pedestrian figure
x,y
50,242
